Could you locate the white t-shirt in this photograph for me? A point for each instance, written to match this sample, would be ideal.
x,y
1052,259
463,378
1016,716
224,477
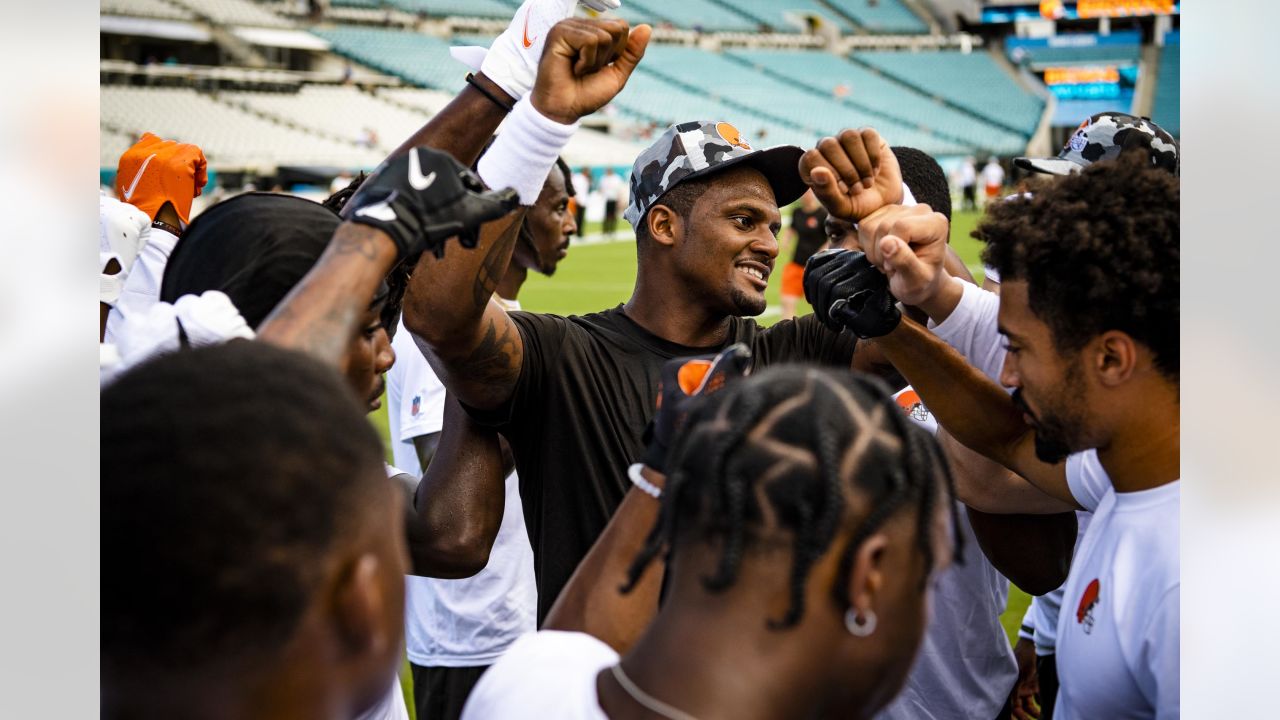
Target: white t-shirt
x,y
549,674
142,288
965,667
1118,637
973,330
610,186
968,174
472,621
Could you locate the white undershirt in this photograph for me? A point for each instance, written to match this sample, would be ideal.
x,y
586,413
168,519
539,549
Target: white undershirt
x,y
468,622
1118,632
549,674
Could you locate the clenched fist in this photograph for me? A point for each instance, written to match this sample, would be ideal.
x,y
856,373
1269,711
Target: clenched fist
x,y
853,174
584,65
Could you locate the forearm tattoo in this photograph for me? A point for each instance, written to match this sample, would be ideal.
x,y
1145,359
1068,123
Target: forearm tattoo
x,y
494,358
494,265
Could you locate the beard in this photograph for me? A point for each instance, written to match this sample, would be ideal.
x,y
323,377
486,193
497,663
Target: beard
x,y
1055,434
746,304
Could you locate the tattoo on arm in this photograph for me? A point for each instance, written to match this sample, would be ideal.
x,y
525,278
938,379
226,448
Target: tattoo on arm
x,y
493,360
358,240
494,265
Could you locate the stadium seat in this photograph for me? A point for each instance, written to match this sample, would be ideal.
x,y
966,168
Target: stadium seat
x,y
774,13
756,96
822,73
706,15
339,112
420,59
235,12
970,80
160,9
881,16
228,135
447,8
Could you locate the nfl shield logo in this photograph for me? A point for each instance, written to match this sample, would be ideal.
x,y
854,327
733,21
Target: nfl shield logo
x,y
417,404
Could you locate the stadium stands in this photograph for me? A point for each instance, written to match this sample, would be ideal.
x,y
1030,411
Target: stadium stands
x,y
228,135
707,15
822,73
881,16
420,59
750,92
446,8
1168,100
340,112
774,13
235,12
160,9
969,80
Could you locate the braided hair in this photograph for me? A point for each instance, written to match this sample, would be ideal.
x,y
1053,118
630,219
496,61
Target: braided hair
x,y
798,451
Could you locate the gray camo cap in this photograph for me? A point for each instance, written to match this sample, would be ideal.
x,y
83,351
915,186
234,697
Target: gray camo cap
x,y
1103,137
701,147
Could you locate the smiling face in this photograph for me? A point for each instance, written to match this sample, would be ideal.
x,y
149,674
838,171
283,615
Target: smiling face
x,y
726,247
1049,388
548,225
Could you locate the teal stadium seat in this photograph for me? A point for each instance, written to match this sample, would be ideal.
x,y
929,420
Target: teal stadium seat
x,y
705,14
773,12
973,81
822,72
420,59
881,16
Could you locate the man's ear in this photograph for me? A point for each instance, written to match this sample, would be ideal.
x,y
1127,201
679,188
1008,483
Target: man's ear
x,y
866,577
1114,357
664,225
359,606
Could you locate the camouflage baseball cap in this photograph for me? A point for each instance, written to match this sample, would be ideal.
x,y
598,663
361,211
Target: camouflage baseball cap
x,y
702,147
1103,137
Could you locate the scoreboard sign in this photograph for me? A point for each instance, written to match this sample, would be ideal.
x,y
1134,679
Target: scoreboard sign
x,y
1124,8
1083,83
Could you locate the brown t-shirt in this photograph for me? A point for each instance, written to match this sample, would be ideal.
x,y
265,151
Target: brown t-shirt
x,y
585,394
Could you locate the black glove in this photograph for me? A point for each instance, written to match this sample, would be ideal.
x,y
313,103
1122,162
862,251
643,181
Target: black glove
x,y
847,291
424,197
685,382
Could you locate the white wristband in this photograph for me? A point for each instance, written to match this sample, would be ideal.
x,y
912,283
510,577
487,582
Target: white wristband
x,y
524,152
638,480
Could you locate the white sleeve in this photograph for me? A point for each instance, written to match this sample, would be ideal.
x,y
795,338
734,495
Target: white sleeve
x,y
142,289
1087,479
422,399
972,329
1157,666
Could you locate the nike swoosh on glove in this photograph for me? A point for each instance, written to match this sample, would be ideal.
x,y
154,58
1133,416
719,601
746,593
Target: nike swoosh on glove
x,y
424,197
685,383
847,291
511,61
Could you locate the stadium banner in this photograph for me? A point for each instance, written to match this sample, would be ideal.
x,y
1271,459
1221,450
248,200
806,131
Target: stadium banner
x,y
1084,9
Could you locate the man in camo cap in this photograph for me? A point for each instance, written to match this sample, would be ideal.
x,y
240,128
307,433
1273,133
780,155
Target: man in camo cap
x,y
1104,137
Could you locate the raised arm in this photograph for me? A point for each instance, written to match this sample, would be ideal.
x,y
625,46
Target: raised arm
x,y
473,345
456,512
391,217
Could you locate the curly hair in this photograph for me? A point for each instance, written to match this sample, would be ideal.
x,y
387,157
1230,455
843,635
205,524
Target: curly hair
x,y
1098,251
924,176
789,452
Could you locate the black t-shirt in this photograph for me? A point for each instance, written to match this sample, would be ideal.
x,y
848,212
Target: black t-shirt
x,y
811,230
586,391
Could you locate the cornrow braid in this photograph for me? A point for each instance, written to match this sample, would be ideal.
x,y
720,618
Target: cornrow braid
x,y
789,450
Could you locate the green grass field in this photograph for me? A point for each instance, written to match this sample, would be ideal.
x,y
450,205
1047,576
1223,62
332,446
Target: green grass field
x,y
599,276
